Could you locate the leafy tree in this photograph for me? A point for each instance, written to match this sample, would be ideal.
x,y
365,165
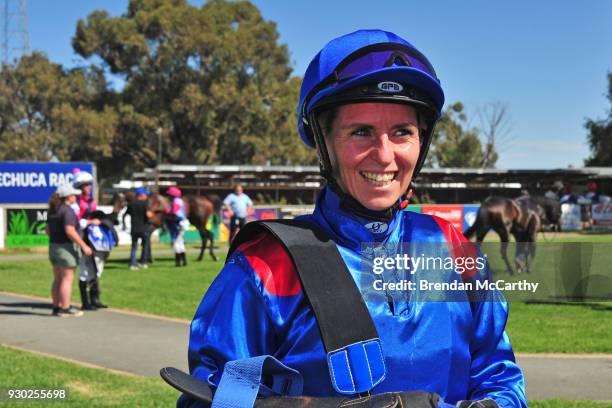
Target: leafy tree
x,y
214,80
600,136
453,145
47,112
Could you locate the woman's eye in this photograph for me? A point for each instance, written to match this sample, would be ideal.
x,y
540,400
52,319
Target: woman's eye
x,y
361,132
405,132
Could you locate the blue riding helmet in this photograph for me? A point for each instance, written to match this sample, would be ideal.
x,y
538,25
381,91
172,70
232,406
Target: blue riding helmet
x,y
368,66
141,190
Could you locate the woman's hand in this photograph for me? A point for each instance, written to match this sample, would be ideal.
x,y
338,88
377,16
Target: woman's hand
x,y
76,238
86,250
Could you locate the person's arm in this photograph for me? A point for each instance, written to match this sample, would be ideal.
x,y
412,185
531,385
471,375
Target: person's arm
x,y
128,211
494,373
227,206
238,317
76,238
230,324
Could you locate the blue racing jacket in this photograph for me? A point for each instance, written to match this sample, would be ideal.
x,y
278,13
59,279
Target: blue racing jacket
x,y
256,306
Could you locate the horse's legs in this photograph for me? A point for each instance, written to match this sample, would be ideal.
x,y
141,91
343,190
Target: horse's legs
x,y
521,258
532,232
504,236
204,239
211,236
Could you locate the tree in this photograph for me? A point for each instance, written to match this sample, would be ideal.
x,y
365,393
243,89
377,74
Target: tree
x,y
453,145
600,136
214,80
495,127
48,113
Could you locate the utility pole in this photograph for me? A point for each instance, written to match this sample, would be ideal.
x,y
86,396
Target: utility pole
x,y
14,25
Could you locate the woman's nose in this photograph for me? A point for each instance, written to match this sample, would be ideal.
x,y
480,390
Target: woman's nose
x,y
382,150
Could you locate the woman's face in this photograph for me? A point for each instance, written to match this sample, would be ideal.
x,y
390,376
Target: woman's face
x,y
374,148
86,189
71,199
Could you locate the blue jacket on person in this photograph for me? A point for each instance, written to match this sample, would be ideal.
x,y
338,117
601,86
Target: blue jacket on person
x,y
256,306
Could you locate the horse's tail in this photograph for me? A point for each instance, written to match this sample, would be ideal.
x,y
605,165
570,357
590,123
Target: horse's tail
x,y
470,231
478,223
216,202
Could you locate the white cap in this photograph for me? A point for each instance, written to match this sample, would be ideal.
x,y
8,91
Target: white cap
x,y
65,190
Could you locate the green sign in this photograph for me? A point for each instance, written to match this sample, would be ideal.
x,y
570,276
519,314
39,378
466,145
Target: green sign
x,y
26,228
414,208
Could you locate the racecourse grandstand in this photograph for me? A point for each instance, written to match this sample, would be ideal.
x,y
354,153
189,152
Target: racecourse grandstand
x,y
300,184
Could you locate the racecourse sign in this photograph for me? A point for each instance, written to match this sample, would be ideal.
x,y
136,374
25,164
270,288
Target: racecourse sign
x,y
33,183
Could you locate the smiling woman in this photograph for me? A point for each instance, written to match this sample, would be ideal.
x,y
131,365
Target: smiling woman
x,y
368,105
374,148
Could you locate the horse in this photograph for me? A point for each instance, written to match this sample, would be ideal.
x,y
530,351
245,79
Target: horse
x,y
521,218
550,213
198,209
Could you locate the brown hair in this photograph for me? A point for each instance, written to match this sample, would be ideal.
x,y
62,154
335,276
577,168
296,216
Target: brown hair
x,y
55,202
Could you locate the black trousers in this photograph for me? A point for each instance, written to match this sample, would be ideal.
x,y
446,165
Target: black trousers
x,y
235,223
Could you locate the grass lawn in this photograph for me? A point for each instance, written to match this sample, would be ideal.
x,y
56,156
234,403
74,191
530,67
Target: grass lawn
x,y
161,289
90,387
87,387
176,292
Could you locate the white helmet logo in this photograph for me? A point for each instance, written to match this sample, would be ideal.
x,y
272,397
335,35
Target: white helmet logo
x,y
390,86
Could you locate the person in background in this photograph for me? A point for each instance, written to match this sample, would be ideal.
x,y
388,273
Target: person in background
x,y
568,195
140,214
85,203
84,206
178,224
554,190
592,194
64,244
238,204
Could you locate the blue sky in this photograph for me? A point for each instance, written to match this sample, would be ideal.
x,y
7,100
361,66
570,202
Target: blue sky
x,y
546,60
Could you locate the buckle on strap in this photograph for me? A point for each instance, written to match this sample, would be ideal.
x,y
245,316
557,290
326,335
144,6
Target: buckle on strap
x,y
358,367
241,382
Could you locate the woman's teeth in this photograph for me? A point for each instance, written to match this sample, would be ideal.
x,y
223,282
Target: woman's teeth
x,y
379,179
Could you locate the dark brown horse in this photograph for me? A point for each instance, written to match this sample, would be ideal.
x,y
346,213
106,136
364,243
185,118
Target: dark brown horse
x,y
199,209
520,218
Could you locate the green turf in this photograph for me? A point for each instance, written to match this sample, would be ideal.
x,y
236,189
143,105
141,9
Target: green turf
x,y
87,387
569,404
161,289
90,387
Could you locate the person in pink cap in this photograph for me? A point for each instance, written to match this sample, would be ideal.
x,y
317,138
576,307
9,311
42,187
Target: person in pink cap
x,y
177,223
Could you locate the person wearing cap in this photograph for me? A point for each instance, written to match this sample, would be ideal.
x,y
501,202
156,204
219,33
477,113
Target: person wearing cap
x,y
64,244
178,224
368,105
139,213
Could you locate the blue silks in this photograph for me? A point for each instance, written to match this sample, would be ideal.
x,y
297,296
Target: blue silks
x,y
101,237
256,307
